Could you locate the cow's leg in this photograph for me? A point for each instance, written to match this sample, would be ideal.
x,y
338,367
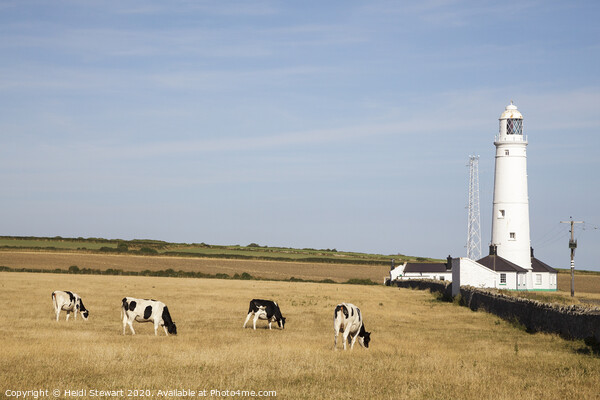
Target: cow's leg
x,y
68,314
255,319
130,323
248,319
166,331
156,328
336,328
345,336
124,321
353,341
56,307
270,322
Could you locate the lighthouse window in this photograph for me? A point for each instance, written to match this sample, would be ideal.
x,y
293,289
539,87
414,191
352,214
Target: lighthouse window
x,y
513,236
501,213
514,126
506,152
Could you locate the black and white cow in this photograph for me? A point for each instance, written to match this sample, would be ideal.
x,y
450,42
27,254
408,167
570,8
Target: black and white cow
x,y
265,309
348,320
70,302
143,310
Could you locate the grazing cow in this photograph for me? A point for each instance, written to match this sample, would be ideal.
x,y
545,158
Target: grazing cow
x,y
143,310
70,302
347,318
265,309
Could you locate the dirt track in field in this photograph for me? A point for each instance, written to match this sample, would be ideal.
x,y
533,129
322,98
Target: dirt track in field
x,y
263,269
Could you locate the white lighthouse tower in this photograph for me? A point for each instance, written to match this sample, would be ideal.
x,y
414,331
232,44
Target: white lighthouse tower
x,y
511,264
510,219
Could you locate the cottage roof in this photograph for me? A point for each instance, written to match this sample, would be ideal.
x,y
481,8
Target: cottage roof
x,y
425,267
539,266
499,264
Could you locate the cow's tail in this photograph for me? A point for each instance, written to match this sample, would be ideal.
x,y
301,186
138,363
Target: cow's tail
x,y
251,307
124,306
337,309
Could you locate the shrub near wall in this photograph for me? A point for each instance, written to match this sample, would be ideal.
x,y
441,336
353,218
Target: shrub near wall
x,y
571,322
434,286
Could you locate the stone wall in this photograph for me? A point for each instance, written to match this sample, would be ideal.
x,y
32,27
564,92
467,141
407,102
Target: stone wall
x,y
571,322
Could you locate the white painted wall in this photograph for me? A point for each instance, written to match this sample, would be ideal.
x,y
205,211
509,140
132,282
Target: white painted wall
x,y
544,281
445,276
398,274
468,272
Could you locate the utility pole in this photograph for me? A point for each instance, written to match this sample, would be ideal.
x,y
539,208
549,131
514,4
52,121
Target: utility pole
x,y
572,246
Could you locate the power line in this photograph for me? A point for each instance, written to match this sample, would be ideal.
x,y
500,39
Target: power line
x,y
550,236
558,236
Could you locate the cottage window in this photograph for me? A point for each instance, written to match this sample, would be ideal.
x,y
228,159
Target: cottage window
x,y
538,279
503,279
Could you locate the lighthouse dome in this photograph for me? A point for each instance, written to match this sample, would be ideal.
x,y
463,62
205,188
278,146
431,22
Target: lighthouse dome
x,y
511,112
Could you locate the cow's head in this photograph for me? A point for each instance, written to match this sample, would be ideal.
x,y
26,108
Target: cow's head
x,y
84,311
281,322
365,339
172,328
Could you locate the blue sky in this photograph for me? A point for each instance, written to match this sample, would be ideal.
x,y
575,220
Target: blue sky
x,y
339,124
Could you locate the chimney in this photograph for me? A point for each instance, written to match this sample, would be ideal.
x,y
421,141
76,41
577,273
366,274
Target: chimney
x,y
531,249
493,250
448,263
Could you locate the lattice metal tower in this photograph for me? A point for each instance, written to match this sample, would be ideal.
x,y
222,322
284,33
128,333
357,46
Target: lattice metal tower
x,y
474,224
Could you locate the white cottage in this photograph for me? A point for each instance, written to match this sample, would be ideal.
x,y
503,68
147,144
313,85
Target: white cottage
x,y
497,272
412,270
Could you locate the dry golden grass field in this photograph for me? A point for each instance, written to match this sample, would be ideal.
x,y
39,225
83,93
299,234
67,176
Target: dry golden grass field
x,y
264,269
421,348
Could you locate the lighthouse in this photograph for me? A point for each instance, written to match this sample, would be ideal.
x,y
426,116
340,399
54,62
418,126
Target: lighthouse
x,y
510,220
511,264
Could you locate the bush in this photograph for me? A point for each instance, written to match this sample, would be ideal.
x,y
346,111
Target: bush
x,y
356,281
148,250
